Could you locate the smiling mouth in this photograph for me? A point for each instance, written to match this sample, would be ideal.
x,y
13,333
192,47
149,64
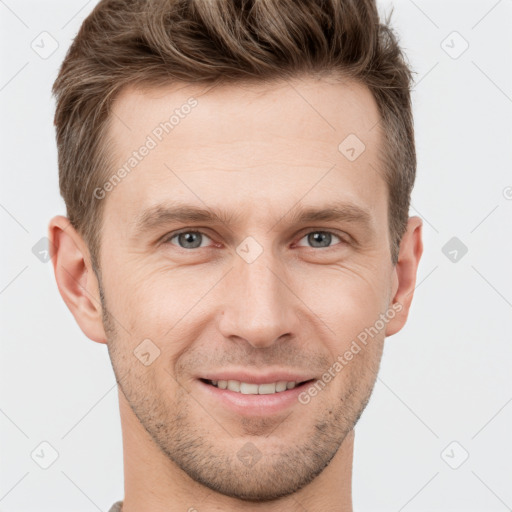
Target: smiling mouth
x,y
247,388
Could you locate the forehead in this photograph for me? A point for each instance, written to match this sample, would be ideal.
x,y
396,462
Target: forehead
x,y
245,145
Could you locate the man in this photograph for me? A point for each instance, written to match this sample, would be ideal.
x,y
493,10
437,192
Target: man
x,y
237,177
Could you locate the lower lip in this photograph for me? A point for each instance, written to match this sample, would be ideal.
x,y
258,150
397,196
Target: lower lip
x,y
254,405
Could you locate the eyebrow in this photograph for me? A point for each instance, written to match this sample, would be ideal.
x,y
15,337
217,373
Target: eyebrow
x,y
164,214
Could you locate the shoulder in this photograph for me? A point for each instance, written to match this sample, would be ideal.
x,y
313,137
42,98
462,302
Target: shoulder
x,y
117,507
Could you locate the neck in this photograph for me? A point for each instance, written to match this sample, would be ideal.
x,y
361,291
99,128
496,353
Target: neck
x,y
153,482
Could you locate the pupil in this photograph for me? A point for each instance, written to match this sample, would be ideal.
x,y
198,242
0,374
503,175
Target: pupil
x,y
190,240
320,236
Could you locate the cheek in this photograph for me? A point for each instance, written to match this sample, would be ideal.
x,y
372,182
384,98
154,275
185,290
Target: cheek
x,y
353,309
164,304
158,303
134,297
348,300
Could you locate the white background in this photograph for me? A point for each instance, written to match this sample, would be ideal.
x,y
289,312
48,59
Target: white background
x,y
445,377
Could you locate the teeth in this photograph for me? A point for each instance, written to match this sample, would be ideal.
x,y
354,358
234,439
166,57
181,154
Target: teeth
x,y
247,388
233,385
266,389
280,386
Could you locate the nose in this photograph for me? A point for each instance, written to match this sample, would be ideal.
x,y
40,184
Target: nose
x,y
257,303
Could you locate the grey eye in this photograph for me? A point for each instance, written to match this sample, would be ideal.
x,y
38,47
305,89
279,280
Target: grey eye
x,y
189,239
320,239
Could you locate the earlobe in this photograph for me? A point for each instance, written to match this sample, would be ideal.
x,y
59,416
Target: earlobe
x,y
404,274
75,277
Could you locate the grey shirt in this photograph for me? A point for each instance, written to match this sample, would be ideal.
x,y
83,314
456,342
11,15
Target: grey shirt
x,y
117,507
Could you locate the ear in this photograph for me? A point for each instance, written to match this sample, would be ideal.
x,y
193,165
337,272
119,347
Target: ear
x,y
76,280
404,274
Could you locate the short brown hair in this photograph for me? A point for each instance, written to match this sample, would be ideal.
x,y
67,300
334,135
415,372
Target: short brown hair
x,y
158,42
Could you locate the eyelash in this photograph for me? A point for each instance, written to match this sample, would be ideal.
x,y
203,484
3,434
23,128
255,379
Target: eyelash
x,y
167,239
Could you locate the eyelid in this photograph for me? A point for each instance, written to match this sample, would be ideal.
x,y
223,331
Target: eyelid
x,y
332,231
169,236
344,237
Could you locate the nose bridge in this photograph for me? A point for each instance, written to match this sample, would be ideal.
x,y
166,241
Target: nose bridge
x,y
256,302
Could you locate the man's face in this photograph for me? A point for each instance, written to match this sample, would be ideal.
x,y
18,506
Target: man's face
x,y
259,292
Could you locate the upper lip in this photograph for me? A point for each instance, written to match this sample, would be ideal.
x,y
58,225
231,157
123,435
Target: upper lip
x,y
257,378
